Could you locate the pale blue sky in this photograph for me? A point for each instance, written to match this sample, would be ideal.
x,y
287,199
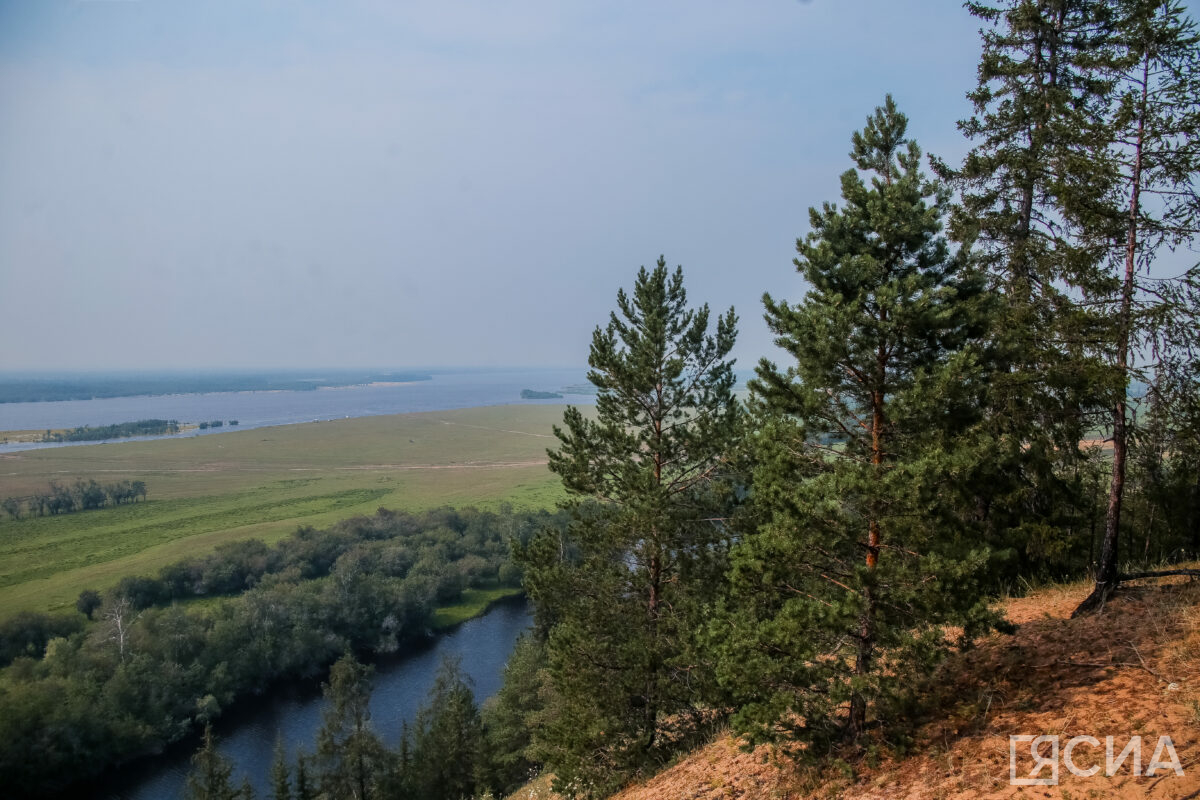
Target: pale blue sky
x,y
387,183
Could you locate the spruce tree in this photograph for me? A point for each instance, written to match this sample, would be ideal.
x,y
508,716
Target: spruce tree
x,y
211,775
281,788
623,589
305,790
350,757
447,738
510,717
842,595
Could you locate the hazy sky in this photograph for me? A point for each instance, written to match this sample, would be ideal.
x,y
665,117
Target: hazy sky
x,y
387,183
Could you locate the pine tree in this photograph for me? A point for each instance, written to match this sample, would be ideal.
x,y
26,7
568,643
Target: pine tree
x,y
622,591
840,598
1153,129
1032,190
351,758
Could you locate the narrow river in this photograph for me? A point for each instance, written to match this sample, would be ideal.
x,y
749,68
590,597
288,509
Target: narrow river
x,y
247,736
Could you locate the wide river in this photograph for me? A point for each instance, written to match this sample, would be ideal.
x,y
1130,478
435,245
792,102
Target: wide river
x,y
446,390
293,712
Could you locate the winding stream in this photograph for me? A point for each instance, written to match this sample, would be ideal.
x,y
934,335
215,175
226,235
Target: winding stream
x,y
247,736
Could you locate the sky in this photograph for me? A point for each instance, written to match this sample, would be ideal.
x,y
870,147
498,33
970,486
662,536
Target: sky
x,y
376,183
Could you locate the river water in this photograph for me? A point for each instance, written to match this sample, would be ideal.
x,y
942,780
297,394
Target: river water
x,y
446,390
293,713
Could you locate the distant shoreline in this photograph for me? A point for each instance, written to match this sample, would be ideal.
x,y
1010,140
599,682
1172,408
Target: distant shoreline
x,y
371,383
14,436
83,389
381,395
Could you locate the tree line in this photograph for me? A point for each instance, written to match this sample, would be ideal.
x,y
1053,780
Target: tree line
x,y
87,433
81,695
79,496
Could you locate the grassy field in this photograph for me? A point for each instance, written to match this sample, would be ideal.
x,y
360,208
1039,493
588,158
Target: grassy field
x,y
261,483
474,603
26,436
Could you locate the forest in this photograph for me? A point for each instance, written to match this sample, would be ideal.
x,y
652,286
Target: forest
x,y
146,660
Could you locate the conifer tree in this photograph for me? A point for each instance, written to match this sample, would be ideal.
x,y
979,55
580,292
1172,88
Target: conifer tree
x,y
1154,132
305,790
447,738
211,774
510,717
352,760
623,590
1177,387
1033,189
841,596
281,788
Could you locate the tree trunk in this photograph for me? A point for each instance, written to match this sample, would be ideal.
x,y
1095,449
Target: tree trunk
x,y
1149,535
857,722
655,568
1106,572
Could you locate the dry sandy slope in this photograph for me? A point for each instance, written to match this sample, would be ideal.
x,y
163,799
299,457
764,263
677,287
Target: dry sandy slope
x,y
1134,670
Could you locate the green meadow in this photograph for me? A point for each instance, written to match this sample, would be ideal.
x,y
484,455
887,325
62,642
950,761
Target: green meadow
x,y
474,602
263,484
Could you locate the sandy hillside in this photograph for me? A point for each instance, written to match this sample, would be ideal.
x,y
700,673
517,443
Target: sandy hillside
x,y
1133,671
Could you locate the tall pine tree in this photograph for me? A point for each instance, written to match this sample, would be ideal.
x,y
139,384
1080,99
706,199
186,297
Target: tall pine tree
x,y
624,588
843,593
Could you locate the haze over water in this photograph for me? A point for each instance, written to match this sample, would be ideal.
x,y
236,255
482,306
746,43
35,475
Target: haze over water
x,y
446,390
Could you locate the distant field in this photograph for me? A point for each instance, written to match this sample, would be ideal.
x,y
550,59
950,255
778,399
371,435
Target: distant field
x,y
261,483
26,436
